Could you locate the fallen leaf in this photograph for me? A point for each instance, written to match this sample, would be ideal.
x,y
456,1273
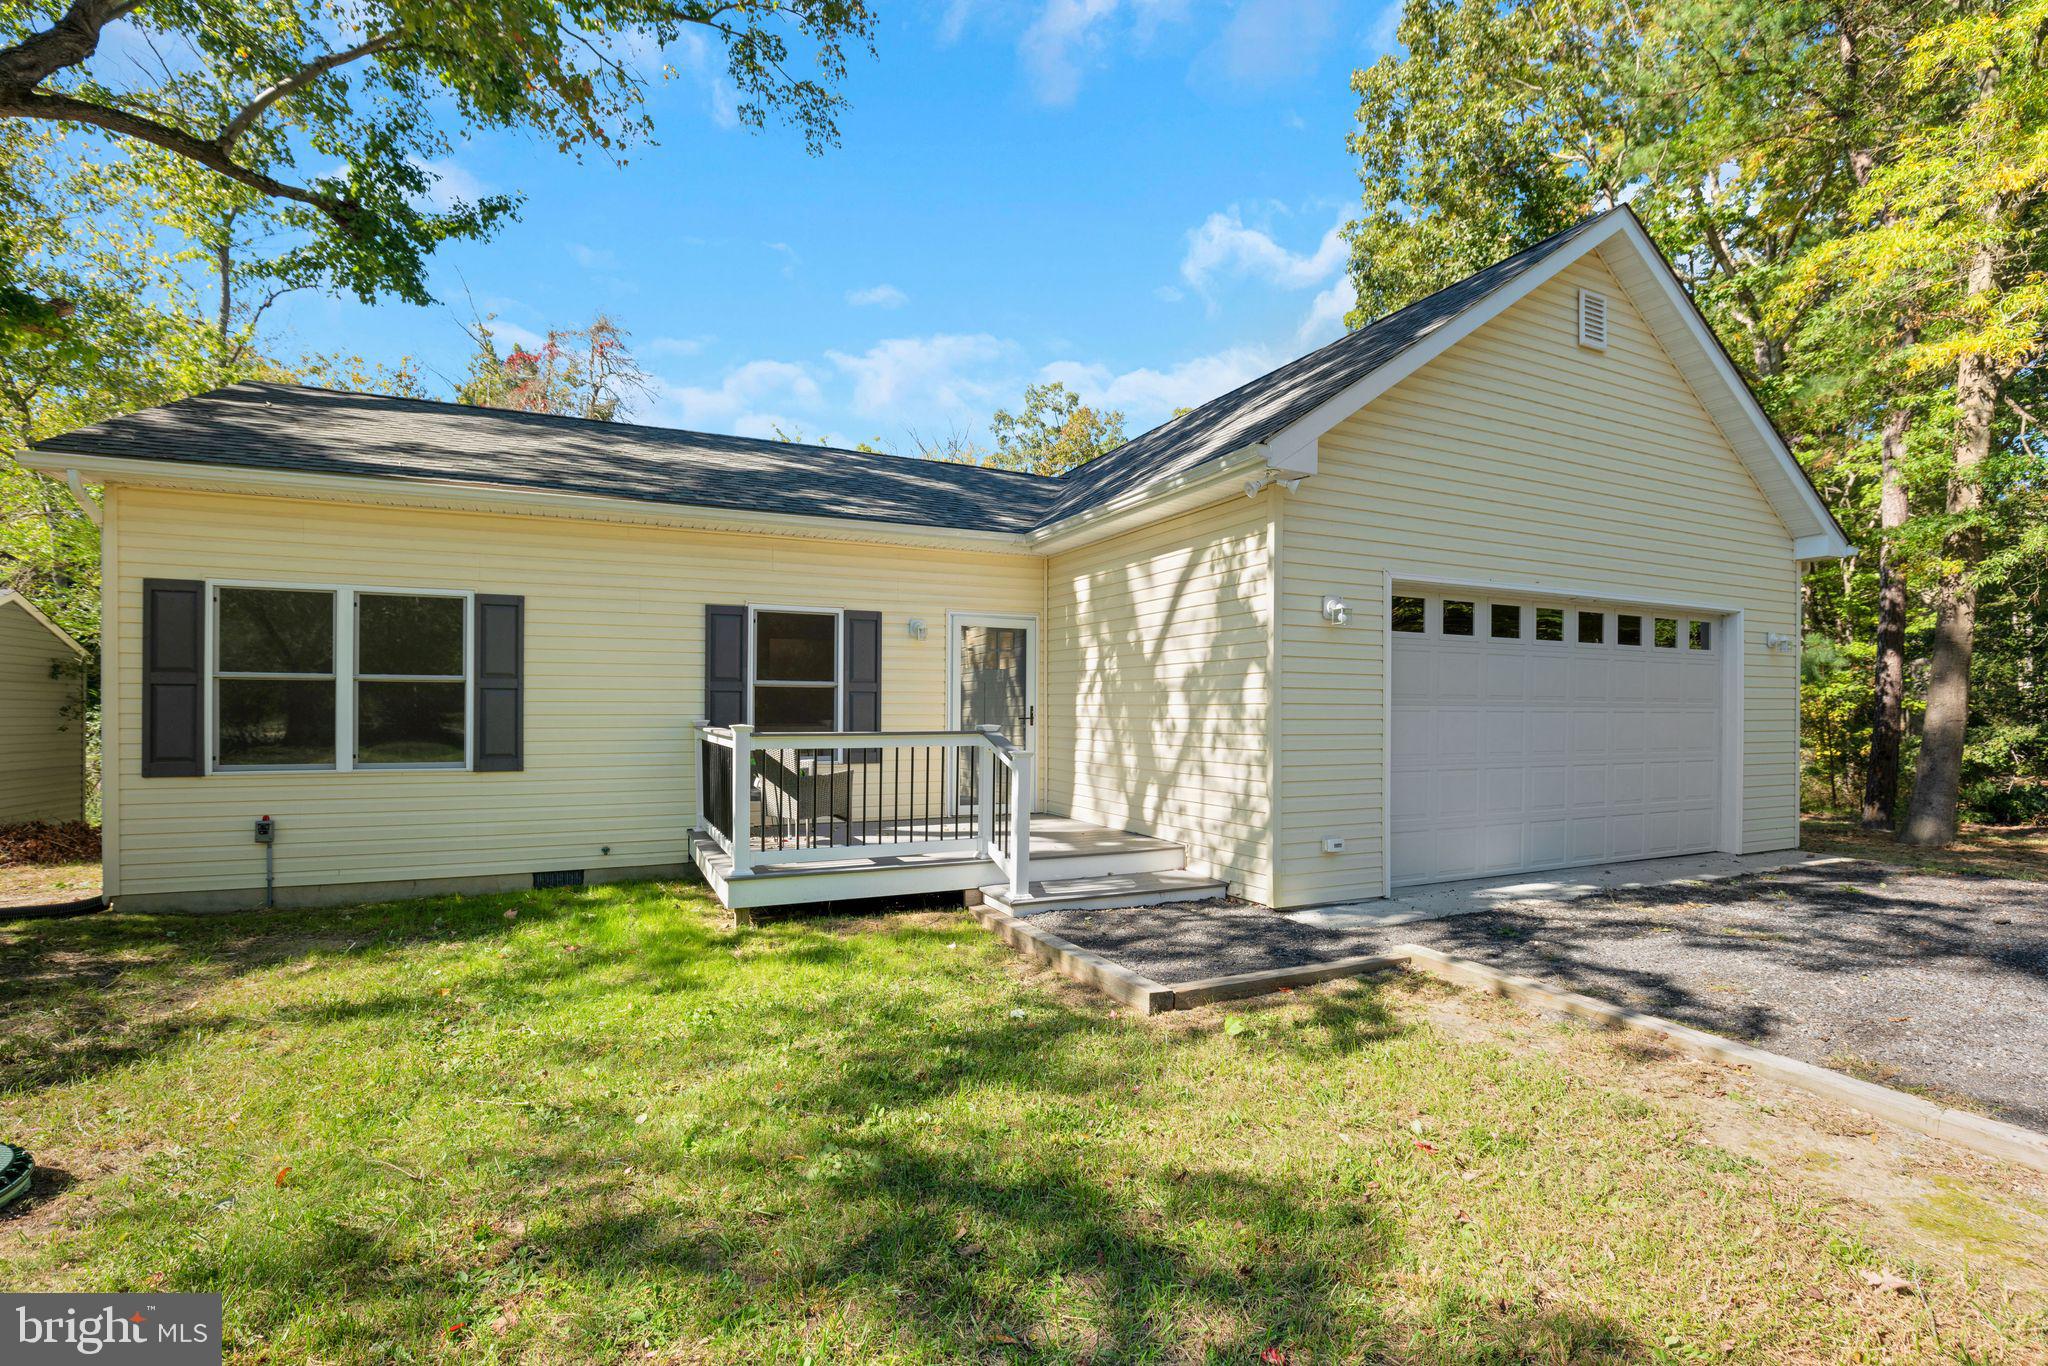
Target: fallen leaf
x,y
284,1174
1884,1281
1425,1145
512,915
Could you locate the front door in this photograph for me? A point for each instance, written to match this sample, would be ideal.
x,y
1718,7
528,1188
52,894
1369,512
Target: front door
x,y
992,676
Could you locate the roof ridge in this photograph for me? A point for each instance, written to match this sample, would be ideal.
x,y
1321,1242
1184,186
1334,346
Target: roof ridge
x,y
603,424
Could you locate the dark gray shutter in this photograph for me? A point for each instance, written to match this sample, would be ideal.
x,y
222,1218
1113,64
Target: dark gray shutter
x,y
500,743
725,665
862,678
173,677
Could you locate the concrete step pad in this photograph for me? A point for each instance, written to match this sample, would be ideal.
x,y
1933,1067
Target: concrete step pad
x,y
1106,891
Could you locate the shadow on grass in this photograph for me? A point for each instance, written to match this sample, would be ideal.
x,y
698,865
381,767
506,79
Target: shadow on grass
x,y
78,997
1013,1230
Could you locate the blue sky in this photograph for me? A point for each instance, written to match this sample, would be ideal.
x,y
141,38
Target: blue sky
x,y
1137,197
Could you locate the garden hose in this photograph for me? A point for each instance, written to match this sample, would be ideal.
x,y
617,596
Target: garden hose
x,y
16,1170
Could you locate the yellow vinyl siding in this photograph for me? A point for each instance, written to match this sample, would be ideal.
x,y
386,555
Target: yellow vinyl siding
x,y
614,681
1157,667
1516,457
42,729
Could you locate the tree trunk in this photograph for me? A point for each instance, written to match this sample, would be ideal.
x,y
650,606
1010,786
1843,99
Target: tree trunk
x,y
1887,728
1931,815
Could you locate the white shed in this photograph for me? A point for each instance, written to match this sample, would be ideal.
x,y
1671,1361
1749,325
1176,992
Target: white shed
x,y
42,719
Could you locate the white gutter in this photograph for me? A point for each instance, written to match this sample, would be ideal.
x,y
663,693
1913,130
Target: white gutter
x,y
1204,484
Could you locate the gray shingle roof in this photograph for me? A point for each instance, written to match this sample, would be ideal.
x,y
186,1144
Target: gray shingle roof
x,y
324,431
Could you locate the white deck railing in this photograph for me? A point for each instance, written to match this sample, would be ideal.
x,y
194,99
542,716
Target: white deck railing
x,y
827,797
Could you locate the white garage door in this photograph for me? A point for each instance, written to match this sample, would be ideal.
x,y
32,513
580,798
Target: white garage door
x,y
1530,735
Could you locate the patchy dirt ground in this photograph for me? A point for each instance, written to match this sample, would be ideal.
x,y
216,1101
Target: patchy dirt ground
x,y
43,862
41,884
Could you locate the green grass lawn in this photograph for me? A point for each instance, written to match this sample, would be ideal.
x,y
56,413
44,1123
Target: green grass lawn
x,y
613,1129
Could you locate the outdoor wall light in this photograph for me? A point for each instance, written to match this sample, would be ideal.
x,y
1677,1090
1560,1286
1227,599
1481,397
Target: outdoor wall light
x,y
917,628
1774,640
1336,609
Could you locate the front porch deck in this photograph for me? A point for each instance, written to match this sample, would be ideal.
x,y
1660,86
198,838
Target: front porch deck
x,y
1061,848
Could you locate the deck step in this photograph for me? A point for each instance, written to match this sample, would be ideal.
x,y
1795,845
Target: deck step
x,y
1106,892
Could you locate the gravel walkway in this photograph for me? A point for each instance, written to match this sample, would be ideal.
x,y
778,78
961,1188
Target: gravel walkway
x,y
1929,982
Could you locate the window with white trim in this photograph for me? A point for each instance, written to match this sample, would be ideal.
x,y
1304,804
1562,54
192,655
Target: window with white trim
x,y
274,678
339,678
412,680
794,666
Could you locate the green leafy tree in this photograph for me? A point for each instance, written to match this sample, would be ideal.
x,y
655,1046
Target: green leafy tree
x,y
1052,432
275,87
1848,190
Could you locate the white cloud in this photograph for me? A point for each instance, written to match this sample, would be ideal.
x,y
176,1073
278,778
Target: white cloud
x,y
954,22
1064,38
1223,245
877,296
693,57
592,258
1325,320
1149,394
948,372
790,260
525,338
1267,42
1168,294
738,403
451,182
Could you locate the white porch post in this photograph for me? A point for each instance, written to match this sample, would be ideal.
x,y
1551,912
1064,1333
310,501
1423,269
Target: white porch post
x,y
742,799
697,773
1020,822
984,794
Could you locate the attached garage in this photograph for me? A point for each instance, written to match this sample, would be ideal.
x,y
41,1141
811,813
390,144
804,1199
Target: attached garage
x,y
1532,734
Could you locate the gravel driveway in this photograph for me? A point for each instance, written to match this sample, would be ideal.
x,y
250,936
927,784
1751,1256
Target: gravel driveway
x,y
1936,983
1931,982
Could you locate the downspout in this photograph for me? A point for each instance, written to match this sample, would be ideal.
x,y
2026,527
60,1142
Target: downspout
x,y
87,504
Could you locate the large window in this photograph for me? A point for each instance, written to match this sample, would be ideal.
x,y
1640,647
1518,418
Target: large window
x,y
335,678
796,670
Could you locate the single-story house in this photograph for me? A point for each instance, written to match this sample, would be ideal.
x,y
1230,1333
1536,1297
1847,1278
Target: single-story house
x,y
42,717
1507,580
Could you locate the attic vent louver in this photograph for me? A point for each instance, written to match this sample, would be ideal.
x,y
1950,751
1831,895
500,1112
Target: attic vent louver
x,y
1592,320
